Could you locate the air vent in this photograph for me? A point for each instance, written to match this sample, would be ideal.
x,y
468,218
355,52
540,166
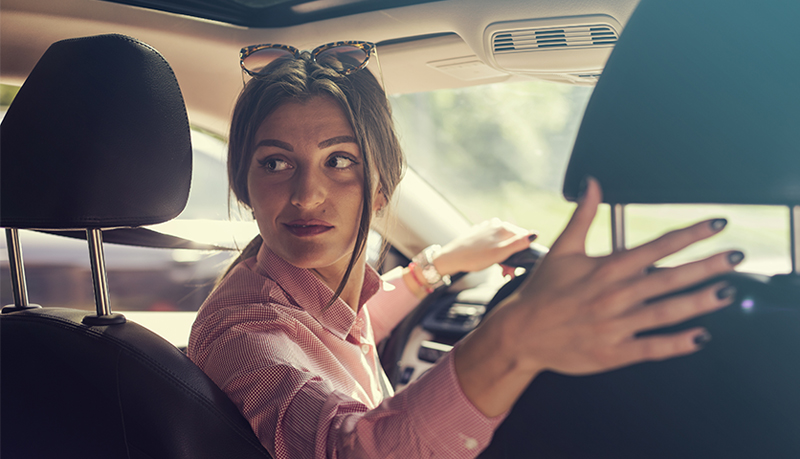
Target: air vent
x,y
573,49
582,36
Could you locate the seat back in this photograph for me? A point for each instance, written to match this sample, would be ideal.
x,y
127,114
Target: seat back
x,y
698,103
114,391
98,137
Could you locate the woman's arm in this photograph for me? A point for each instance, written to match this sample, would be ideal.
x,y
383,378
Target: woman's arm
x,y
298,409
483,245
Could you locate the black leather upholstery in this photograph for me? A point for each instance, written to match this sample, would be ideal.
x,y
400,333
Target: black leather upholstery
x,y
120,391
100,128
98,137
697,103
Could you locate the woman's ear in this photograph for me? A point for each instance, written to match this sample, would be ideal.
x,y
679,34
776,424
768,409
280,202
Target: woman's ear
x,y
379,200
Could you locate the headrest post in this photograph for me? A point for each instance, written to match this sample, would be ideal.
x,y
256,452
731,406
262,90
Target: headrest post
x,y
618,227
99,279
100,282
17,270
794,219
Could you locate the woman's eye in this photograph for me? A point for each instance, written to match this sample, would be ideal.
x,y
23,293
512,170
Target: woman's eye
x,y
340,162
274,164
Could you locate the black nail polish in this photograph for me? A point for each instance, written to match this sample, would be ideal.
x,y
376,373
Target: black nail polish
x,y
533,237
702,339
726,292
734,258
718,223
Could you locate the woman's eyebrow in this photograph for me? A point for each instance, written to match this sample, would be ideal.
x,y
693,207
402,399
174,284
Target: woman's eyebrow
x,y
337,140
274,143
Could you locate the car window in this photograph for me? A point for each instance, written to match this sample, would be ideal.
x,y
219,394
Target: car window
x,y
492,151
502,151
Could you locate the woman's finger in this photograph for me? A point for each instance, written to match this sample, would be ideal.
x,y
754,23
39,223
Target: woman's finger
x,y
573,239
661,347
639,258
517,242
677,309
663,281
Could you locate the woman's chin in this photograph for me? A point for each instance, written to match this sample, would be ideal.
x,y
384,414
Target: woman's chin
x,y
308,259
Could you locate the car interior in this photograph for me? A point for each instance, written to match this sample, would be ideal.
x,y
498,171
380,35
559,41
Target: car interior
x,y
687,107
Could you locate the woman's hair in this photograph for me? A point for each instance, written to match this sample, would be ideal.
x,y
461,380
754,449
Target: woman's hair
x,y
363,102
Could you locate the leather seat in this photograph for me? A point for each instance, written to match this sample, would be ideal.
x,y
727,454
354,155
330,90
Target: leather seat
x,y
98,137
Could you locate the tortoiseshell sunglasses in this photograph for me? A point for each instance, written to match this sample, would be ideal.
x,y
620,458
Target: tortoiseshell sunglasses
x,y
345,57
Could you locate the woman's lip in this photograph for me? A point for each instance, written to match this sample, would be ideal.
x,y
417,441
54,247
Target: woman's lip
x,y
314,222
307,228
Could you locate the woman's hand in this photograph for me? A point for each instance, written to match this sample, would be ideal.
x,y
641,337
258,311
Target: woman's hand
x,y
580,315
483,245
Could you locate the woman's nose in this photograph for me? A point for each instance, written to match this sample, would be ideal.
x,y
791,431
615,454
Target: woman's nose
x,y
308,189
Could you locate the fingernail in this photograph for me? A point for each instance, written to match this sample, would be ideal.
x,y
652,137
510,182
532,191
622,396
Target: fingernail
x,y
726,292
702,339
650,269
734,258
718,223
533,237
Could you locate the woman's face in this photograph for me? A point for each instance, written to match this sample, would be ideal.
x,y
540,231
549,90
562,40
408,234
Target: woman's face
x,y
305,184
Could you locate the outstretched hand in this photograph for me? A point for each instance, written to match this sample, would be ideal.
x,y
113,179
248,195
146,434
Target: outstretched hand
x,y
577,314
483,245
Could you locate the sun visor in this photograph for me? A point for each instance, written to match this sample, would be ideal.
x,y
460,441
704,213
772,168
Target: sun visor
x,y
699,103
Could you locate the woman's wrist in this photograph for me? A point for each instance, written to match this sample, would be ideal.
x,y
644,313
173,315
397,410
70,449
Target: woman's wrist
x,y
413,281
427,270
491,375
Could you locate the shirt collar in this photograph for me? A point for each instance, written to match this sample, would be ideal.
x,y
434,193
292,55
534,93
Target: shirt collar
x,y
306,291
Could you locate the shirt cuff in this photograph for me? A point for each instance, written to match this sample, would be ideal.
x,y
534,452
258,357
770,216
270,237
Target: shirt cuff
x,y
448,422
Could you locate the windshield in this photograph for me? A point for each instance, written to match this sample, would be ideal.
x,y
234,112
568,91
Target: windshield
x,y
502,150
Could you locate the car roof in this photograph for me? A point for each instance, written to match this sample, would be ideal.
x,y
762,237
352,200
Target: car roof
x,y
269,13
422,46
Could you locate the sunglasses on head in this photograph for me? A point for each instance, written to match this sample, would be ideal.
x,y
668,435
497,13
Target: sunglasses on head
x,y
345,57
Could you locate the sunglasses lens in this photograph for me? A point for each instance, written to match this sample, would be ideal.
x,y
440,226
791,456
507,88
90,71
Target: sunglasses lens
x,y
256,61
343,58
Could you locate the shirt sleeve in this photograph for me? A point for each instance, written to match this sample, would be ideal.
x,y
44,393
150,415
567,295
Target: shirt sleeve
x,y
297,414
390,304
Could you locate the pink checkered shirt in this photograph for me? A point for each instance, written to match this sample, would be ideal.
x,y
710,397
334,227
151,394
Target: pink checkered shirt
x,y
308,378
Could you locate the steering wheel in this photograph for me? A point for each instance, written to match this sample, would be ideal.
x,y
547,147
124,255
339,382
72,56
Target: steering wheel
x,y
392,348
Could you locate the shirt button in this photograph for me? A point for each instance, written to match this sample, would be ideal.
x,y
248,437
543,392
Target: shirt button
x,y
365,349
470,443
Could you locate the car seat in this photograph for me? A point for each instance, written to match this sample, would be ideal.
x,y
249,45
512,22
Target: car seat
x,y
98,137
698,103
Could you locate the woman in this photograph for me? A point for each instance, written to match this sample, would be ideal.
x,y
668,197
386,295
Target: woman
x,y
290,332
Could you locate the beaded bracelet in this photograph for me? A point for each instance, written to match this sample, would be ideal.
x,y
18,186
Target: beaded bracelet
x,y
412,268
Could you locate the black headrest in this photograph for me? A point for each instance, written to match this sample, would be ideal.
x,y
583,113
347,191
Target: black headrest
x,y
96,137
699,102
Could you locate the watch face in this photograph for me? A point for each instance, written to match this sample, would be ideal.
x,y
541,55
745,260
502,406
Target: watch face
x,y
431,274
